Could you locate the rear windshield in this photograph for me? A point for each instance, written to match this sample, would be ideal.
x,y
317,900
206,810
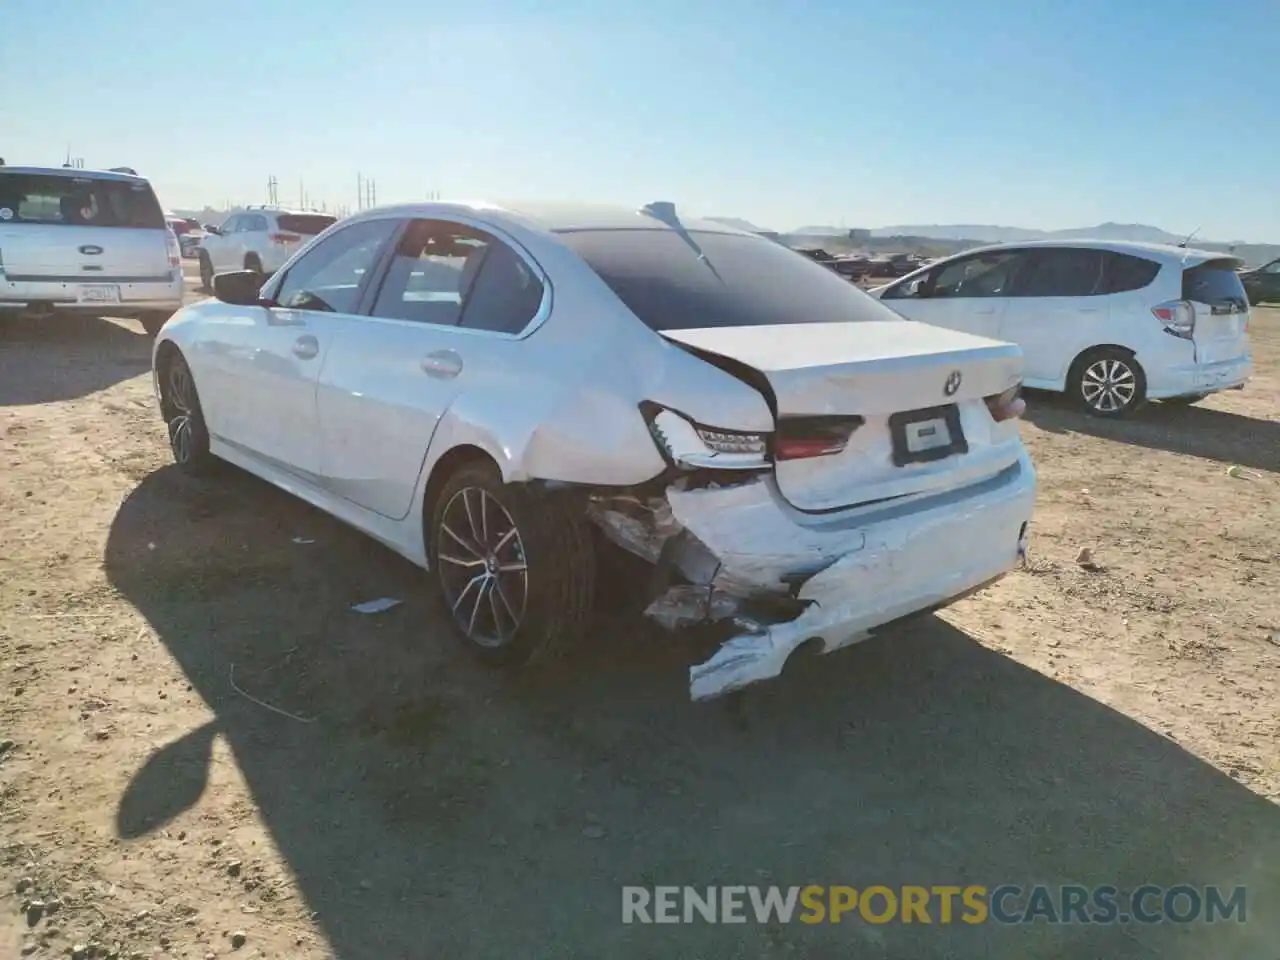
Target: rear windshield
x,y
78,202
1214,282
684,281
305,223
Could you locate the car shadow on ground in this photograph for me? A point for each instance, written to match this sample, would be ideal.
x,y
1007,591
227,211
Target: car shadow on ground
x,y
85,355
429,807
1198,431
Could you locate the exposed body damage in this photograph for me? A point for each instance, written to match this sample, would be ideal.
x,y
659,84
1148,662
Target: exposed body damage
x,y
739,544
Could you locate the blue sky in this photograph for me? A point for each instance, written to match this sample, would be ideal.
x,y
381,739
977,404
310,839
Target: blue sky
x,y
1039,114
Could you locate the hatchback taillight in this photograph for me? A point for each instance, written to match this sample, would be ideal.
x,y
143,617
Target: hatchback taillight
x,y
284,238
1178,318
1008,405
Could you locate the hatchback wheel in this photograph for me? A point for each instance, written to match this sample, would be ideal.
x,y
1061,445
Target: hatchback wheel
x,y
152,322
516,569
183,417
1109,383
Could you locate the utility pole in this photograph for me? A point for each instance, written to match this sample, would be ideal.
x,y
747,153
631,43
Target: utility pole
x,y
359,191
273,191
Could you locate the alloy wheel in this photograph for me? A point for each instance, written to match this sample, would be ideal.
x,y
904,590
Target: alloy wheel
x,y
482,567
1108,385
182,402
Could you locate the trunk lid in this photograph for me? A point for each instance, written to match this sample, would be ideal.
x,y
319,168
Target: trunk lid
x,y
914,394
1217,295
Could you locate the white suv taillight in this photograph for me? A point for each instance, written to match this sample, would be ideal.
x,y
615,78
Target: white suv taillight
x,y
175,250
1178,318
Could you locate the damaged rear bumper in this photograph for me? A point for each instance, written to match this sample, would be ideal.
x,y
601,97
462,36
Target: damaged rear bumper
x,y
742,544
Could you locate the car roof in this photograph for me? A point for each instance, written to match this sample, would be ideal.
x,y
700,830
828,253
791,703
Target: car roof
x,y
556,217
78,173
1164,252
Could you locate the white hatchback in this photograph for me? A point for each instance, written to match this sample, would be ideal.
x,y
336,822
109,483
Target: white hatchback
x,y
1110,324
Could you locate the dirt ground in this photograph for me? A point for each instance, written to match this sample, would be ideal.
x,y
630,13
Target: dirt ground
x,y
1109,726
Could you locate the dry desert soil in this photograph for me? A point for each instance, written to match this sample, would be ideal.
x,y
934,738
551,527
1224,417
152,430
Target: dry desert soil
x,y
1114,725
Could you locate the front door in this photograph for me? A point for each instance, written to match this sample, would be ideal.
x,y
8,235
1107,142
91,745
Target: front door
x,y
969,293
281,354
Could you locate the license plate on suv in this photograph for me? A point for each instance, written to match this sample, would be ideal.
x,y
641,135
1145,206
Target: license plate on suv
x,y
921,436
98,293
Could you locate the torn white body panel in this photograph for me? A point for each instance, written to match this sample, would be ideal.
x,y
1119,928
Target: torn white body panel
x,y
851,573
895,565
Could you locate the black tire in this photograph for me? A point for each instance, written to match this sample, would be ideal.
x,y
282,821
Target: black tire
x,y
254,263
183,417
152,322
1185,401
206,273
550,555
1108,382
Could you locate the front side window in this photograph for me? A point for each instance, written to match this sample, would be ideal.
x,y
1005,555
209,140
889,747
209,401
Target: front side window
x,y
1273,267
981,275
683,280
331,276
52,200
1062,273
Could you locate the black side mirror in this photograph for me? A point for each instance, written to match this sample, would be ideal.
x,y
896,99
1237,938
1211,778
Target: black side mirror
x,y
240,287
210,228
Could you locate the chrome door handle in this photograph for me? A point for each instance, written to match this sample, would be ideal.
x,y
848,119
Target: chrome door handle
x,y
305,348
442,364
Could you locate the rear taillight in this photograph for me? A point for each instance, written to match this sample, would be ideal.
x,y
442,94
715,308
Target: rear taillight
x,y
175,250
1008,405
801,438
284,238
1178,317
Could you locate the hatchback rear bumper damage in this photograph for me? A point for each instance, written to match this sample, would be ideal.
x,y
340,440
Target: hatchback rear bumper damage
x,y
785,577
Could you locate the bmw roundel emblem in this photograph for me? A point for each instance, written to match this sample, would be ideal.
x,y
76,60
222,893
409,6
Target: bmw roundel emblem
x,y
952,383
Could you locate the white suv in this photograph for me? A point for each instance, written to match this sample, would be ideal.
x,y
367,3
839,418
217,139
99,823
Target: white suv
x,y
259,239
86,241
1110,324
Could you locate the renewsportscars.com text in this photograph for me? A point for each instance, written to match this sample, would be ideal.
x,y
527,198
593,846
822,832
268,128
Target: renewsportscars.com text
x,y
940,904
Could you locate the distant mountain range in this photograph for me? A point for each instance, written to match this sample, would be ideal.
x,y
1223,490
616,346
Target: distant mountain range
x,y
987,233
957,236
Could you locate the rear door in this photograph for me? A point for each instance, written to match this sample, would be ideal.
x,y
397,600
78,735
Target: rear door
x,y
444,320
76,229
1058,307
1215,291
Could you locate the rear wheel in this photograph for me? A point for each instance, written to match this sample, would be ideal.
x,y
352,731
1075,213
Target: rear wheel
x,y
516,569
180,407
206,273
254,263
1108,382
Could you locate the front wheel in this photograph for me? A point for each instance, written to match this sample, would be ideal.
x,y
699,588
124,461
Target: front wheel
x,y
1108,382
183,417
516,568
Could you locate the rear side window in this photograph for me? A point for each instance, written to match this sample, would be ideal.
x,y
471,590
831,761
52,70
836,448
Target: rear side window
x,y
685,280
1062,273
1126,272
505,295
308,224
1214,282
53,200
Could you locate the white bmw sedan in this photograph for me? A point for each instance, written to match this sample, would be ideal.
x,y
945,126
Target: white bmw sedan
x,y
484,389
